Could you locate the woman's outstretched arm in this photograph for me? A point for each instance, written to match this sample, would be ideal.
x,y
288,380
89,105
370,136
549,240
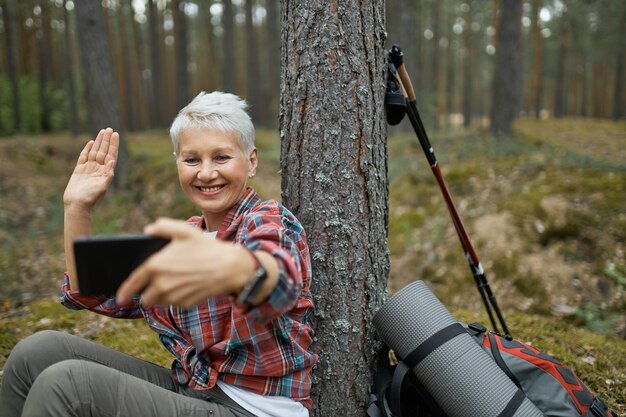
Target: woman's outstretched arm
x,y
90,180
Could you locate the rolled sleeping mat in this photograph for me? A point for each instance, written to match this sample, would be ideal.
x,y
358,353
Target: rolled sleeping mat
x,y
461,377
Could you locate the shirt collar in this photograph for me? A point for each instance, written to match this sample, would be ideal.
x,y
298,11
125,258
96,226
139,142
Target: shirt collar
x,y
230,224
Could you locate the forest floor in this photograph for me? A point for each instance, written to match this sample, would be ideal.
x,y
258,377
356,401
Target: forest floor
x,y
546,213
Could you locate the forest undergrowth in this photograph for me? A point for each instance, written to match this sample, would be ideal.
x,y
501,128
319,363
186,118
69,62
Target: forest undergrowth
x,y
545,211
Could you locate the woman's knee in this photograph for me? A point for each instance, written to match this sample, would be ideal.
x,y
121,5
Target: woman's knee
x,y
35,348
56,389
65,374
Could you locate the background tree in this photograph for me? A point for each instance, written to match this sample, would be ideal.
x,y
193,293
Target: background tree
x,y
334,178
228,47
252,65
507,78
69,71
559,85
272,86
181,55
101,91
156,97
536,84
468,80
9,30
618,90
42,35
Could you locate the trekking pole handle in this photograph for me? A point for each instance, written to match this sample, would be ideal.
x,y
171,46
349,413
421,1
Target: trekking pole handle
x,y
397,57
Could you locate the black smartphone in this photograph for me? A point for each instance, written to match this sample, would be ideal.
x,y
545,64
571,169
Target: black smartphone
x,y
104,262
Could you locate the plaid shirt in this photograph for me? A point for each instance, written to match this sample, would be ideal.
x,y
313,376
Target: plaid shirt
x,y
264,349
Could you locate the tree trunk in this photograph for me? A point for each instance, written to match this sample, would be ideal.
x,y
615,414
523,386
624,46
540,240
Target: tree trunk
x,y
450,71
140,64
42,34
205,54
228,61
182,57
156,96
334,178
273,67
252,67
618,90
435,61
127,53
26,40
9,31
101,90
507,77
559,85
69,74
468,80
536,81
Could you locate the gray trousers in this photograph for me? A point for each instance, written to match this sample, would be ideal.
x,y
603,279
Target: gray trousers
x,y
56,374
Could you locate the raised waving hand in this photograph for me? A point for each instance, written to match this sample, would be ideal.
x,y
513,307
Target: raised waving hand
x,y
94,170
90,180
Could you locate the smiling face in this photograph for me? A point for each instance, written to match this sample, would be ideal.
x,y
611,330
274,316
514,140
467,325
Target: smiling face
x,y
213,170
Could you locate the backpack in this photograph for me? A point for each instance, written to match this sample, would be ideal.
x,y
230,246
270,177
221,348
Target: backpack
x,y
553,388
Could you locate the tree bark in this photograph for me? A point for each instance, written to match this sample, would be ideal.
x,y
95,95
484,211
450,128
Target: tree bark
x,y
507,77
334,178
101,90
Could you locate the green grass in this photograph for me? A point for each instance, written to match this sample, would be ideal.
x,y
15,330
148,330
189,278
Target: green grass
x,y
130,336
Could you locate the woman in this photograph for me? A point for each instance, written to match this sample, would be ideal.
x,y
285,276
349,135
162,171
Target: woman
x,y
229,296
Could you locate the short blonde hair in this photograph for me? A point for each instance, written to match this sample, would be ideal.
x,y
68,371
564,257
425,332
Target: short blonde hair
x,y
217,110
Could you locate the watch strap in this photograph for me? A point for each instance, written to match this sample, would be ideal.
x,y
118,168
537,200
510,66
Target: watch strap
x,y
253,286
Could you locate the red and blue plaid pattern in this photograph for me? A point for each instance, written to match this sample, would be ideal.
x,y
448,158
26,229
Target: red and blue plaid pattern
x,y
263,349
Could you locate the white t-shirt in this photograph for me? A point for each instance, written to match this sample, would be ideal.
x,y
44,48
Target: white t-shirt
x,y
264,405
261,405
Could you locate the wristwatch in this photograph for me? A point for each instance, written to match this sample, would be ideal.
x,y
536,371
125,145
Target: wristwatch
x,y
252,287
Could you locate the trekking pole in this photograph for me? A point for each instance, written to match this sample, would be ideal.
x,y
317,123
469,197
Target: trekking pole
x,y
488,297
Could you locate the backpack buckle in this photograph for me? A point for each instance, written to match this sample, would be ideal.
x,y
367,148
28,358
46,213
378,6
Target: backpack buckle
x,y
598,407
476,329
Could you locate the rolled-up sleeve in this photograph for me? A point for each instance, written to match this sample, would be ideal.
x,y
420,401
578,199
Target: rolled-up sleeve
x,y
278,233
106,306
